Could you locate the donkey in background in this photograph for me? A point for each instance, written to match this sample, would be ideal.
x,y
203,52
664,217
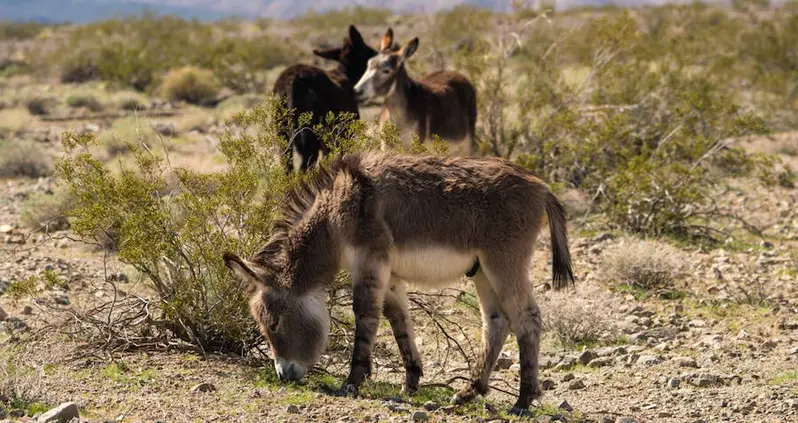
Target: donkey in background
x,y
395,218
311,89
442,103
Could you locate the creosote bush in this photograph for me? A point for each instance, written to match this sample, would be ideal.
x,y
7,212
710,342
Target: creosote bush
x,y
47,211
23,159
85,101
173,224
643,264
190,84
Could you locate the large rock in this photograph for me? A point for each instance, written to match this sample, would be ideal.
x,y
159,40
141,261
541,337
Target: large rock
x,y
61,414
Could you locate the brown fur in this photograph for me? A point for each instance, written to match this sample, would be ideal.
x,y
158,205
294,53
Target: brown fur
x,y
384,218
442,103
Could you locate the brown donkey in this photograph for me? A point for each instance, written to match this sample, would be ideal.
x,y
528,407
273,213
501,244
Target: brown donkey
x,y
443,103
388,219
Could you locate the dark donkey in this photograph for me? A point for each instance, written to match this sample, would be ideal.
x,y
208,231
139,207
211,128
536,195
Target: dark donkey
x,y
311,89
443,103
395,218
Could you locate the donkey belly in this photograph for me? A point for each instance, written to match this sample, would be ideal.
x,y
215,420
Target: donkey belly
x,y
430,265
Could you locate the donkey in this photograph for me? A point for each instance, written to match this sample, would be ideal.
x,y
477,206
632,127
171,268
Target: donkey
x,y
311,89
443,103
388,219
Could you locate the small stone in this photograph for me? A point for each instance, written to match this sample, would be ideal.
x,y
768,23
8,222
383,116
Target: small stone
x,y
563,405
431,406
165,129
292,409
602,237
696,323
649,360
504,363
91,128
607,419
547,384
767,244
420,416
600,362
685,362
61,414
14,323
769,344
664,414
449,409
568,377
3,314
203,387
61,300
585,357
576,385
626,420
6,229
674,382
27,310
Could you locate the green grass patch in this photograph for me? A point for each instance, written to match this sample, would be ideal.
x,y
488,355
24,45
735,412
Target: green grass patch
x,y
785,377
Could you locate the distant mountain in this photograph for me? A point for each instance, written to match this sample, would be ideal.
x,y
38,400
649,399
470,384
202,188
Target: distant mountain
x,y
89,10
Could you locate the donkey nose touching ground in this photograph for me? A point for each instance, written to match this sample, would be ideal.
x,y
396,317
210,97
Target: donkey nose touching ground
x,y
392,219
442,103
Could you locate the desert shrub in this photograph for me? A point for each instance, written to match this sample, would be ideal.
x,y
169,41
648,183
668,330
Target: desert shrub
x,y
86,101
131,104
173,232
19,30
577,318
40,106
125,131
137,51
23,159
190,84
343,17
643,264
47,211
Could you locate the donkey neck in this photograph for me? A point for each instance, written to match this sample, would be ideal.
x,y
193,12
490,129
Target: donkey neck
x,y
341,76
314,252
402,97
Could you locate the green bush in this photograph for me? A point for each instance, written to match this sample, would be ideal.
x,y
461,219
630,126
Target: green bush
x,y
190,84
88,102
47,211
343,17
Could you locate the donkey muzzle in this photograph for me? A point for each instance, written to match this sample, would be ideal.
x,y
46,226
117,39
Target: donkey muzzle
x,y
288,371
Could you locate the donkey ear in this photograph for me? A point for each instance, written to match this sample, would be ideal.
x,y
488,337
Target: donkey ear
x,y
387,40
246,270
331,54
354,36
409,49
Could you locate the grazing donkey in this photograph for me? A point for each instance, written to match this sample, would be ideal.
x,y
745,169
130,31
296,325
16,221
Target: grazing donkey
x,y
311,89
394,218
443,103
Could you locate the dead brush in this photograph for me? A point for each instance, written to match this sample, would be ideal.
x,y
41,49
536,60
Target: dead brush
x,y
577,318
643,264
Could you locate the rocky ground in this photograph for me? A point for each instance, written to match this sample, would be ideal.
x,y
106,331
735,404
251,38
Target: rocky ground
x,y
719,344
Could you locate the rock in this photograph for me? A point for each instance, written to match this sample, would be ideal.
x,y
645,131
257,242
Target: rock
x,y
585,357
547,384
674,382
576,385
292,409
61,300
62,414
626,420
767,244
788,325
649,360
685,362
203,387
431,406
91,128
504,363
6,229
696,323
607,419
165,129
420,416
602,237
3,314
600,362
14,323
27,310
563,405
568,377
449,409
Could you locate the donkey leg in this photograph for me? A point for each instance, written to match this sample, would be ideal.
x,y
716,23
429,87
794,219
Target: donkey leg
x,y
515,292
369,285
396,311
495,329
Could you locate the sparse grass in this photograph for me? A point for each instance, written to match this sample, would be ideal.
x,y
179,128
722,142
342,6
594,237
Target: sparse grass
x,y
21,386
790,376
643,265
15,120
120,373
124,131
24,159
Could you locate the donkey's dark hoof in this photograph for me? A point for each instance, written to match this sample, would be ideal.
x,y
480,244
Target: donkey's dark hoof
x,y
520,412
348,390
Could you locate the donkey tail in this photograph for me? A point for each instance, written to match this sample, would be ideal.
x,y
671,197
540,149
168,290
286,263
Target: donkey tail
x,y
561,257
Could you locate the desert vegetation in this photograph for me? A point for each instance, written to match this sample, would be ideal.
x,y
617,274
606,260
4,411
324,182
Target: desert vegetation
x,y
133,152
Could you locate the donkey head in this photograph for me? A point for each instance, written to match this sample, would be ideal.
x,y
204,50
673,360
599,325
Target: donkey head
x,y
382,71
352,56
296,324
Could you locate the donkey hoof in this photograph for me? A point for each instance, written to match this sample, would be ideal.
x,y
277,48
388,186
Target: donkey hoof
x,y
347,390
521,412
464,396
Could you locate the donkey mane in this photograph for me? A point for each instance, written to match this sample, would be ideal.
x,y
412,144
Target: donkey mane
x,y
298,200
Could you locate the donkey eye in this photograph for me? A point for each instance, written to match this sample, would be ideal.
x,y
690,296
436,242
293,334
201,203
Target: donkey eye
x,y
386,71
274,325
